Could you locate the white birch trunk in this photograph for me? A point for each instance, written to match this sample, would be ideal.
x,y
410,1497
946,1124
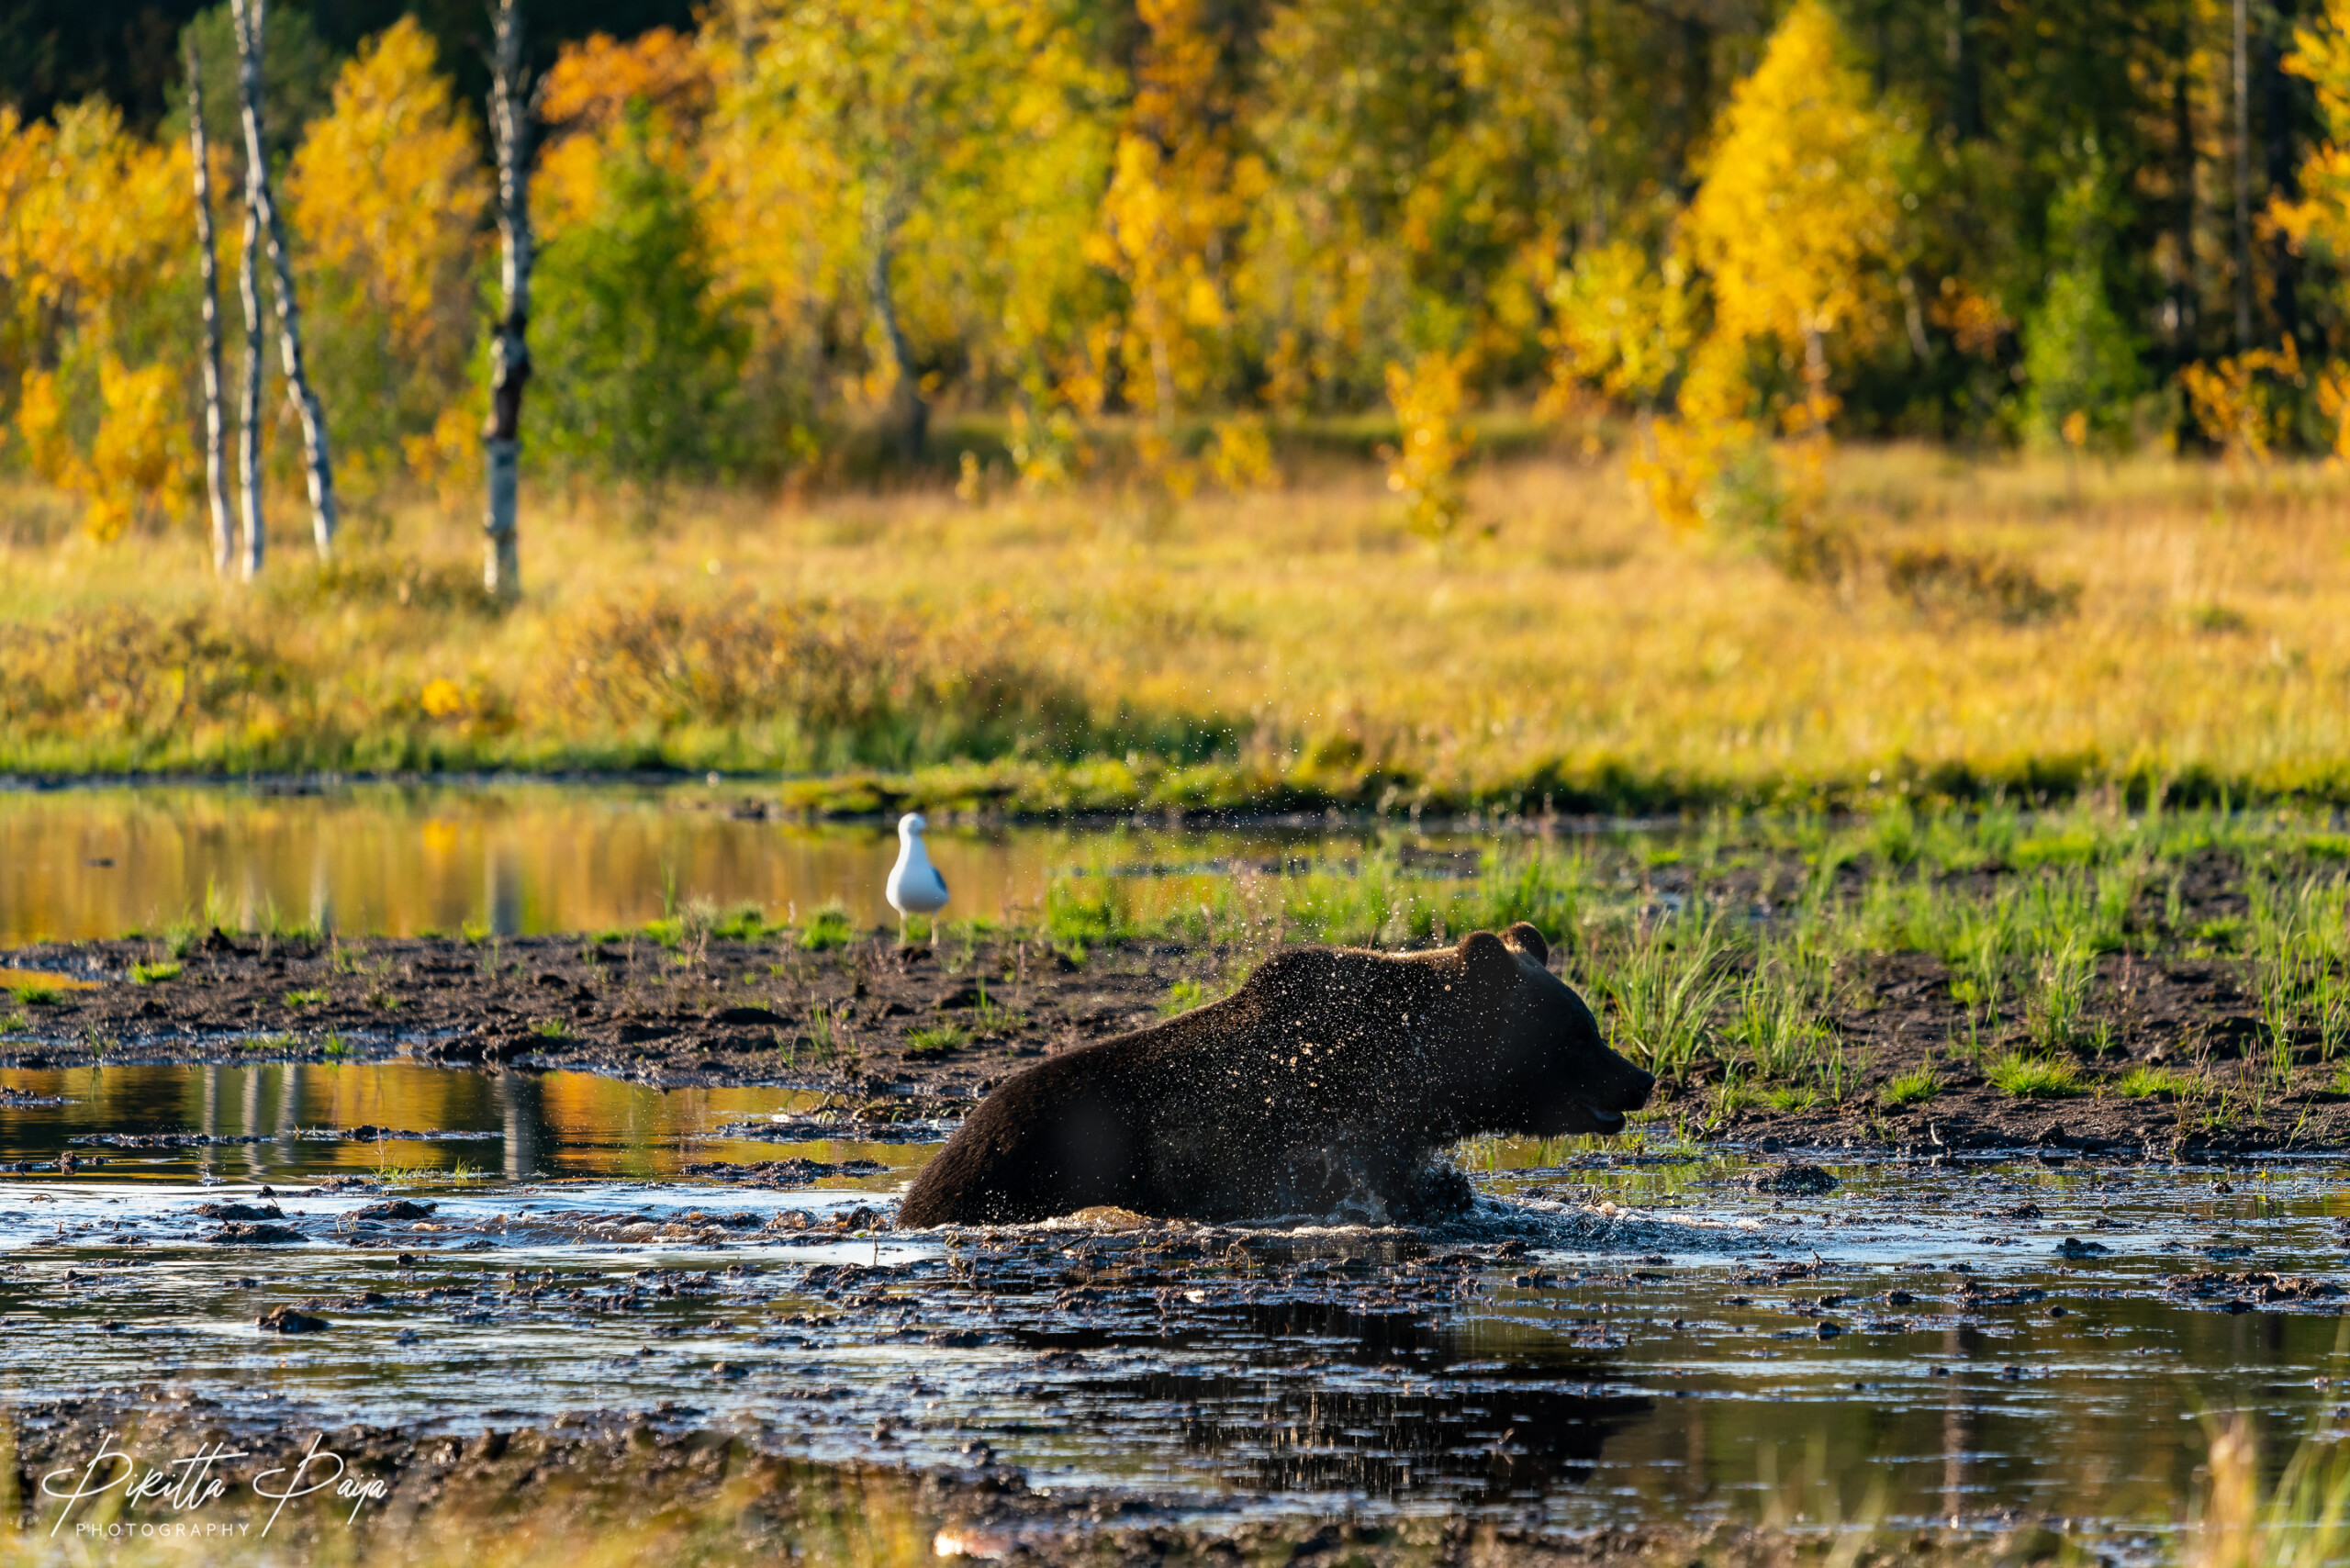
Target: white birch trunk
x,y
510,348
255,541
882,215
317,466
216,486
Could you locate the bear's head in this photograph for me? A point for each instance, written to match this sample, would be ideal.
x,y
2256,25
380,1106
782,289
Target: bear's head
x,y
1544,1070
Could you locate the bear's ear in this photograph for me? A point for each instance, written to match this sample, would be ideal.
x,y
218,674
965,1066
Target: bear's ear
x,y
1484,957
1527,939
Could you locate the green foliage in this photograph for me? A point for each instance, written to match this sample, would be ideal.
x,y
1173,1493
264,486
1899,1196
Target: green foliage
x,y
2034,1077
935,1040
155,973
1773,1025
307,998
2154,1083
829,927
1081,913
1662,985
1182,997
744,923
1913,1088
2081,363
298,71
639,358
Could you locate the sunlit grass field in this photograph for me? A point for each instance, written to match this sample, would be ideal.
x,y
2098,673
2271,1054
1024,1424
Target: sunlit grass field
x,y
1978,624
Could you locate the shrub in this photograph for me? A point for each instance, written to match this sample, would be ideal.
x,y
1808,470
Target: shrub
x,y
826,685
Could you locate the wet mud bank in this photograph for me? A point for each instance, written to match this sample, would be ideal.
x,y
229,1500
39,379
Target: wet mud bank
x,y
663,1489
907,1037
1613,1357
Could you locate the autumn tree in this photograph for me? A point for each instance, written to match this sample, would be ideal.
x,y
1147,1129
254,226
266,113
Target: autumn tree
x,y
387,191
96,320
1168,216
637,356
509,346
1799,230
1418,175
262,207
954,151
216,487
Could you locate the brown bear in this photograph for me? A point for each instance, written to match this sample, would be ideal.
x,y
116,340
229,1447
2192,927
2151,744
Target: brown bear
x,y
1324,1085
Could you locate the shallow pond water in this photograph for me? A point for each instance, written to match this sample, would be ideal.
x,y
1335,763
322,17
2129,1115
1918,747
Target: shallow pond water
x,y
1623,1338
523,857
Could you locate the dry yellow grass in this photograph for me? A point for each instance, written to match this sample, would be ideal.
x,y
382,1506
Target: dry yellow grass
x,y
1578,650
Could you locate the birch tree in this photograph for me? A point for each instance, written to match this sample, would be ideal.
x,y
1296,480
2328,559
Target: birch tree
x,y
509,348
317,466
255,545
216,489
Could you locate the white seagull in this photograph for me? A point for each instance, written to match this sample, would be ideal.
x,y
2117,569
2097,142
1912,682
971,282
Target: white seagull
x,y
914,885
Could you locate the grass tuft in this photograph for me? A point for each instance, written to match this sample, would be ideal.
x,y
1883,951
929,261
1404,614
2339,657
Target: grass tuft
x,y
935,1041
2154,1083
2034,1077
1913,1087
829,927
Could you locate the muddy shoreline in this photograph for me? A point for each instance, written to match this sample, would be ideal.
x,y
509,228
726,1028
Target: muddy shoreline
x,y
909,1037
668,1487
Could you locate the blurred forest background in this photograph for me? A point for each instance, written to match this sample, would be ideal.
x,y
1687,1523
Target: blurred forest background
x,y
1456,272
1985,222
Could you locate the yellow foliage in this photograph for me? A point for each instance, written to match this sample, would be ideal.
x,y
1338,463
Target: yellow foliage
x,y
388,187
1686,455
94,221
1242,458
2241,403
448,457
94,225
2320,55
1423,470
959,142
1802,199
1049,453
2333,402
1168,210
140,458
1798,227
1618,324
443,698
662,77
1975,321
143,454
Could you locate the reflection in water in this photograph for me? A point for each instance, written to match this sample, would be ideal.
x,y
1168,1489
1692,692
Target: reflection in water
x,y
519,1127
1418,1426
1324,1368
518,858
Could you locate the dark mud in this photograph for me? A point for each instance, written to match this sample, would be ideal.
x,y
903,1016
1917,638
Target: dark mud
x,y
906,1039
673,1489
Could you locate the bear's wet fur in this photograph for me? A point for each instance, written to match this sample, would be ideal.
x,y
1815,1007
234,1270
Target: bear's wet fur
x,y
1323,1086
